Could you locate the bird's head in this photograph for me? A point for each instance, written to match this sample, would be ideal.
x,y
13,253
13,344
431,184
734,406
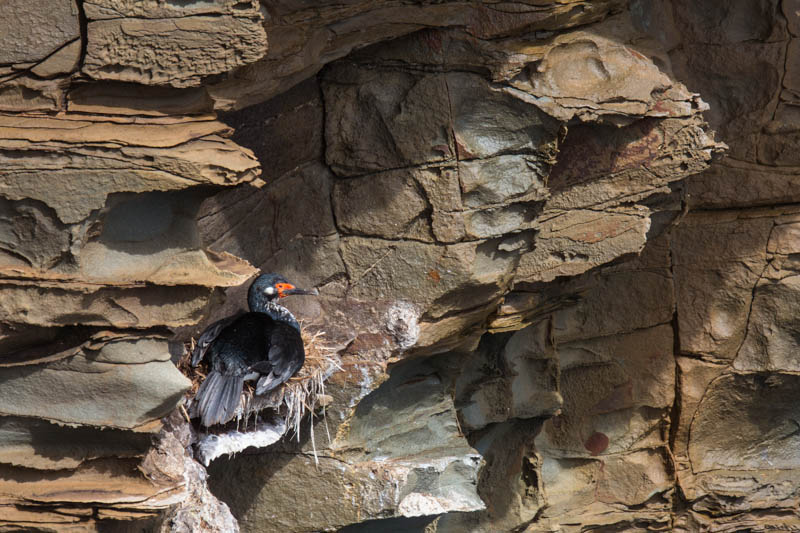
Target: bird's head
x,y
270,287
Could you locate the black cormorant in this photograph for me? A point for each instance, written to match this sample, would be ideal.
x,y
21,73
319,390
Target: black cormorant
x,y
263,344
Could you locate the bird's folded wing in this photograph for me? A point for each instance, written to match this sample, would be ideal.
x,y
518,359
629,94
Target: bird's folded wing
x,y
208,336
279,369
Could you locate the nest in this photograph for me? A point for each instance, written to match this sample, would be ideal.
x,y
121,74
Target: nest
x,y
302,393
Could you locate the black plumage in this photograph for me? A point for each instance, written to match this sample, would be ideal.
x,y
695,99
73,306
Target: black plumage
x,y
263,344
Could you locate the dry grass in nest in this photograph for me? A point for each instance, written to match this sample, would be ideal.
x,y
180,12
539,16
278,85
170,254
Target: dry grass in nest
x,y
303,393
195,374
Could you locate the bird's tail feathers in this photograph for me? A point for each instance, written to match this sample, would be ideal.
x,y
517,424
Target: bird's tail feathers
x,y
219,397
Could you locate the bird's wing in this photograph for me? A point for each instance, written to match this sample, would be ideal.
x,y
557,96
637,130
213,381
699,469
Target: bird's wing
x,y
262,367
208,337
286,355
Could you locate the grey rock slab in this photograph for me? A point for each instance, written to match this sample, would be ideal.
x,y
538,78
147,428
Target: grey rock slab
x,y
718,261
383,205
773,328
571,242
451,277
500,221
332,495
31,30
86,390
488,122
409,425
409,415
64,61
747,422
592,491
400,454
54,304
503,179
380,120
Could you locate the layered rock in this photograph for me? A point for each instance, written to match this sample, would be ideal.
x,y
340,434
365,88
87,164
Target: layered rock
x,y
99,254
467,192
541,321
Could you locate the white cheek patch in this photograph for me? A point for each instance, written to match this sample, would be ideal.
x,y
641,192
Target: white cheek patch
x,y
270,290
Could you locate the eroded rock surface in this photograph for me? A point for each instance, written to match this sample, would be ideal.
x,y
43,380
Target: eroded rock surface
x,y
553,306
99,252
157,43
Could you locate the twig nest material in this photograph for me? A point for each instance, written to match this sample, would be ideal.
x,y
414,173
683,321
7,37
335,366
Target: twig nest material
x,y
302,393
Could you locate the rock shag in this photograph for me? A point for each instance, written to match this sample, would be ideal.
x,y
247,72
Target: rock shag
x,y
263,344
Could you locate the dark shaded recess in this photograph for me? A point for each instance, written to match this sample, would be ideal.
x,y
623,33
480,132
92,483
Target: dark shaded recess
x,y
510,473
667,207
115,466
133,220
55,442
262,463
487,358
591,152
733,21
284,131
147,223
147,525
391,525
510,469
717,73
242,467
24,344
155,100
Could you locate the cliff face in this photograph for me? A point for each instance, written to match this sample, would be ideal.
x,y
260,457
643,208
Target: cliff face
x,y
552,304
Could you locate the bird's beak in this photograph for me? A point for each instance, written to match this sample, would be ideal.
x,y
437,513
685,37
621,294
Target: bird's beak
x,y
294,290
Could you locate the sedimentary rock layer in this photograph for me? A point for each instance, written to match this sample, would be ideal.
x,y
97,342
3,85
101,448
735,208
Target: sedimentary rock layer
x,y
552,306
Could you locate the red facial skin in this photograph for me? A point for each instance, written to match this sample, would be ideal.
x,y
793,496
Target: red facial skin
x,y
281,287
